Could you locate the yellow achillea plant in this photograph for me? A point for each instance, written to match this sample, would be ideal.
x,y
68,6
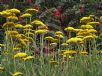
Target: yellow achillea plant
x,y
26,15
2,69
32,11
69,29
20,55
41,31
37,23
49,38
17,74
9,25
58,33
28,58
64,44
14,10
12,18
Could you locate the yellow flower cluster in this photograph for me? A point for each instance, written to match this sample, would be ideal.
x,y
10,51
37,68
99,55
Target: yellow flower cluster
x,y
32,11
59,34
74,40
17,74
26,15
20,55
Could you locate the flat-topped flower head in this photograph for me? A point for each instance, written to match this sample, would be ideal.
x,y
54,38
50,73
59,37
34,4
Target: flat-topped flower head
x,y
9,25
21,36
37,23
49,38
86,27
12,18
14,10
53,44
53,63
20,55
69,52
85,20
32,11
74,40
92,31
18,26
41,32
59,36
27,26
5,13
58,33
93,23
2,45
26,15
43,27
69,29
64,44
28,58
90,37
83,53
16,49
17,74
2,69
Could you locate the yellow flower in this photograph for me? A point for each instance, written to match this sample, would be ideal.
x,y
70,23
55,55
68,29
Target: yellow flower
x,y
21,36
74,40
83,53
58,33
2,69
49,38
18,26
69,52
28,58
26,15
20,55
27,26
28,30
41,31
24,41
60,36
86,20
64,44
80,36
9,25
90,37
37,22
31,11
91,16
52,62
17,74
12,18
16,49
86,27
68,56
11,34
19,46
100,17
14,10
92,31
53,44
29,34
55,40
2,45
69,29
5,13
93,23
